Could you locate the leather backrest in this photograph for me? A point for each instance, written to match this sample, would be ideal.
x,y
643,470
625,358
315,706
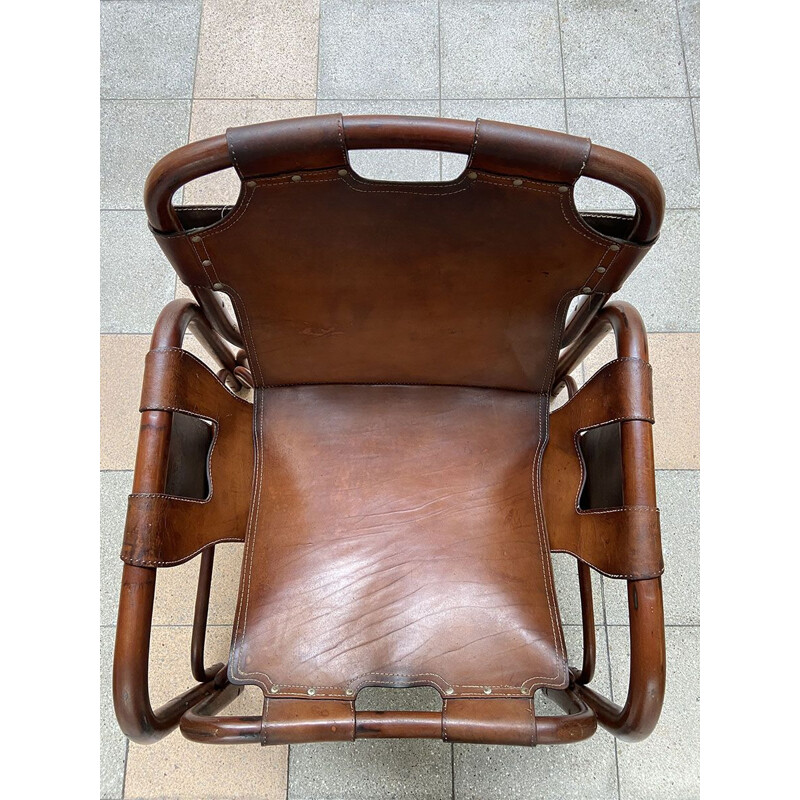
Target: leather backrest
x,y
338,279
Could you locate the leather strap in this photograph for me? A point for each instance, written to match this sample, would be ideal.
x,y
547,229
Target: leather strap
x,y
622,542
293,721
162,529
509,721
518,150
272,148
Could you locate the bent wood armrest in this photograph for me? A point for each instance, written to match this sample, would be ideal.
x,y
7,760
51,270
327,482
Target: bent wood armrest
x,y
637,717
136,716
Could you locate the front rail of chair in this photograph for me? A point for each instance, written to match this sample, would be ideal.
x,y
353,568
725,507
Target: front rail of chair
x,y
136,716
370,132
638,716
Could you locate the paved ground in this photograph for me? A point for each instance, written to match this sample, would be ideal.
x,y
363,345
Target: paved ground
x,y
624,73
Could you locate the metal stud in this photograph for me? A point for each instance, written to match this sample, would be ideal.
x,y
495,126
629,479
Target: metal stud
x,y
273,690
196,239
487,689
586,290
206,263
217,287
348,692
601,270
251,184
525,690
450,690
517,182
312,691
614,248
472,175
563,189
343,173
296,178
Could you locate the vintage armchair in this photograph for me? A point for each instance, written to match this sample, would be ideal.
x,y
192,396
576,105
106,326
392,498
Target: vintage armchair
x,y
402,475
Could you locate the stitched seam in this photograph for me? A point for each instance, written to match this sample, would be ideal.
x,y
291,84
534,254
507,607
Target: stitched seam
x,y
600,373
147,562
186,354
444,720
544,420
242,613
340,132
628,575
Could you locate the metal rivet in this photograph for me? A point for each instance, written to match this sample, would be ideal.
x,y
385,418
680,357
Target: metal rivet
x,y
487,689
563,189
217,287
348,692
296,178
525,690
311,691
614,248
196,239
251,184
517,182
586,290
601,270
343,173
450,690
273,690
472,175
206,263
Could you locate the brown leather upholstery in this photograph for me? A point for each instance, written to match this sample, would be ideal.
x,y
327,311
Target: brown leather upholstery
x,y
397,539
162,529
335,279
393,480
621,542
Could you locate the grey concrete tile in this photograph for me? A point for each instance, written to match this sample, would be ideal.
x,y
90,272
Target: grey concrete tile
x,y
696,118
622,49
380,49
372,769
665,287
667,764
389,165
249,49
580,770
500,48
565,576
113,744
114,490
134,134
147,49
657,132
136,280
689,14
547,114
678,495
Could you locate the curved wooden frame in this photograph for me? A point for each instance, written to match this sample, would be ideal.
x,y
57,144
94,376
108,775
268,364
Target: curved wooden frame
x,y
636,719
370,132
195,709
132,703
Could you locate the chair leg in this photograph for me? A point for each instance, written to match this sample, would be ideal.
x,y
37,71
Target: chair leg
x,y
135,713
587,618
199,672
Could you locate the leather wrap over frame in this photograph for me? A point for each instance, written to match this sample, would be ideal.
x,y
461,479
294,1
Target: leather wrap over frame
x,y
461,283
161,529
393,481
